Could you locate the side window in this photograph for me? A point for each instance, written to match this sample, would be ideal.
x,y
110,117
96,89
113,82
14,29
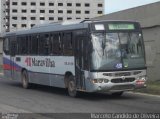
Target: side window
x,y
34,44
25,45
68,44
85,52
43,44
6,45
46,44
22,45
18,45
55,42
13,46
30,44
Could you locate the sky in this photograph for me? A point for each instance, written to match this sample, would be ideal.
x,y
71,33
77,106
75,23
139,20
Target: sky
x,y
118,5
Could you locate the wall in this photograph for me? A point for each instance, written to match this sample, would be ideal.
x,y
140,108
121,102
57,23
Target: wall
x,y
152,46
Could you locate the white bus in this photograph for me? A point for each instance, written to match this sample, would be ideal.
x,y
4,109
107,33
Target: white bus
x,y
88,56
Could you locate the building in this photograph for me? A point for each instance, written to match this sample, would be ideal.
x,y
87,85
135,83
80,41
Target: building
x,y
2,16
1,52
2,25
27,13
149,18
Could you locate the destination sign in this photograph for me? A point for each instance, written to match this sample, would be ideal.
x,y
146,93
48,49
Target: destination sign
x,y
121,26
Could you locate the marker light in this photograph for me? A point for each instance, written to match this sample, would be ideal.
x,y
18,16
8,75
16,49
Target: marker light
x,y
141,80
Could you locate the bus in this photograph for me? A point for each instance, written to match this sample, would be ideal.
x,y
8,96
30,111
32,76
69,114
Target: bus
x,y
87,56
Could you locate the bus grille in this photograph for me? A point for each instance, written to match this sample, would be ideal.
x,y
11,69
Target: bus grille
x,y
120,80
118,74
123,74
123,87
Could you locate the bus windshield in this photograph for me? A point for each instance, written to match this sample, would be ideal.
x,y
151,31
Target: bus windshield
x,y
113,51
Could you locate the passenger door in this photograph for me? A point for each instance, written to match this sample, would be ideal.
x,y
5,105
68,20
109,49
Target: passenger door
x,y
80,48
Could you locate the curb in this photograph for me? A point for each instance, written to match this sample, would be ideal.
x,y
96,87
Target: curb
x,y
146,94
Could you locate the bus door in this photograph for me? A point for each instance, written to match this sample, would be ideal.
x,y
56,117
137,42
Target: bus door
x,y
79,62
12,57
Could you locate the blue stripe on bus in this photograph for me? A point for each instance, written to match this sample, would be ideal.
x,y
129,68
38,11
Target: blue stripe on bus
x,y
11,64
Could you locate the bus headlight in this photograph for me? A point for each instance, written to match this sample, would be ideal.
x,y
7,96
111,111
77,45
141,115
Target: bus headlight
x,y
100,80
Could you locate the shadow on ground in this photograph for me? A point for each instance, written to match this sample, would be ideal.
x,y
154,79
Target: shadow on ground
x,y
63,92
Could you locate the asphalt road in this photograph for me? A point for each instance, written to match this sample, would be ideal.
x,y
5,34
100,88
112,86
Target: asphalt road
x,y
43,99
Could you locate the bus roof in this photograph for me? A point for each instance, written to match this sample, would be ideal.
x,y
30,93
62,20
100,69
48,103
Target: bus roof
x,y
59,26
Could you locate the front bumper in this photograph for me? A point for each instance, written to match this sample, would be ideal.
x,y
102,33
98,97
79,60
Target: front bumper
x,y
115,81
110,87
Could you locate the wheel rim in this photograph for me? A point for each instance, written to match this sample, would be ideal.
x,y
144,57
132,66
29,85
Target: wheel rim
x,y
72,88
24,80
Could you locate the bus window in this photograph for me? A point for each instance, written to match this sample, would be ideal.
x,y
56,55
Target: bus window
x,y
51,44
85,52
46,44
29,44
23,45
55,42
18,45
68,44
34,44
6,46
43,44
13,46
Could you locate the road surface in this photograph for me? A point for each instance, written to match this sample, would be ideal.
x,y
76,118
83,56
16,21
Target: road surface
x,y
43,99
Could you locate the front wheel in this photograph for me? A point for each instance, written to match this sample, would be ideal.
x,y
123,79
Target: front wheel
x,y
72,91
25,80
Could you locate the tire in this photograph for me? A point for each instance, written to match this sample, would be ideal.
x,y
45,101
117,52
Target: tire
x,y
72,90
25,80
117,94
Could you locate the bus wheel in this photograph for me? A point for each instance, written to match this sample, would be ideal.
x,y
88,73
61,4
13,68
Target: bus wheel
x,y
117,94
25,80
72,87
